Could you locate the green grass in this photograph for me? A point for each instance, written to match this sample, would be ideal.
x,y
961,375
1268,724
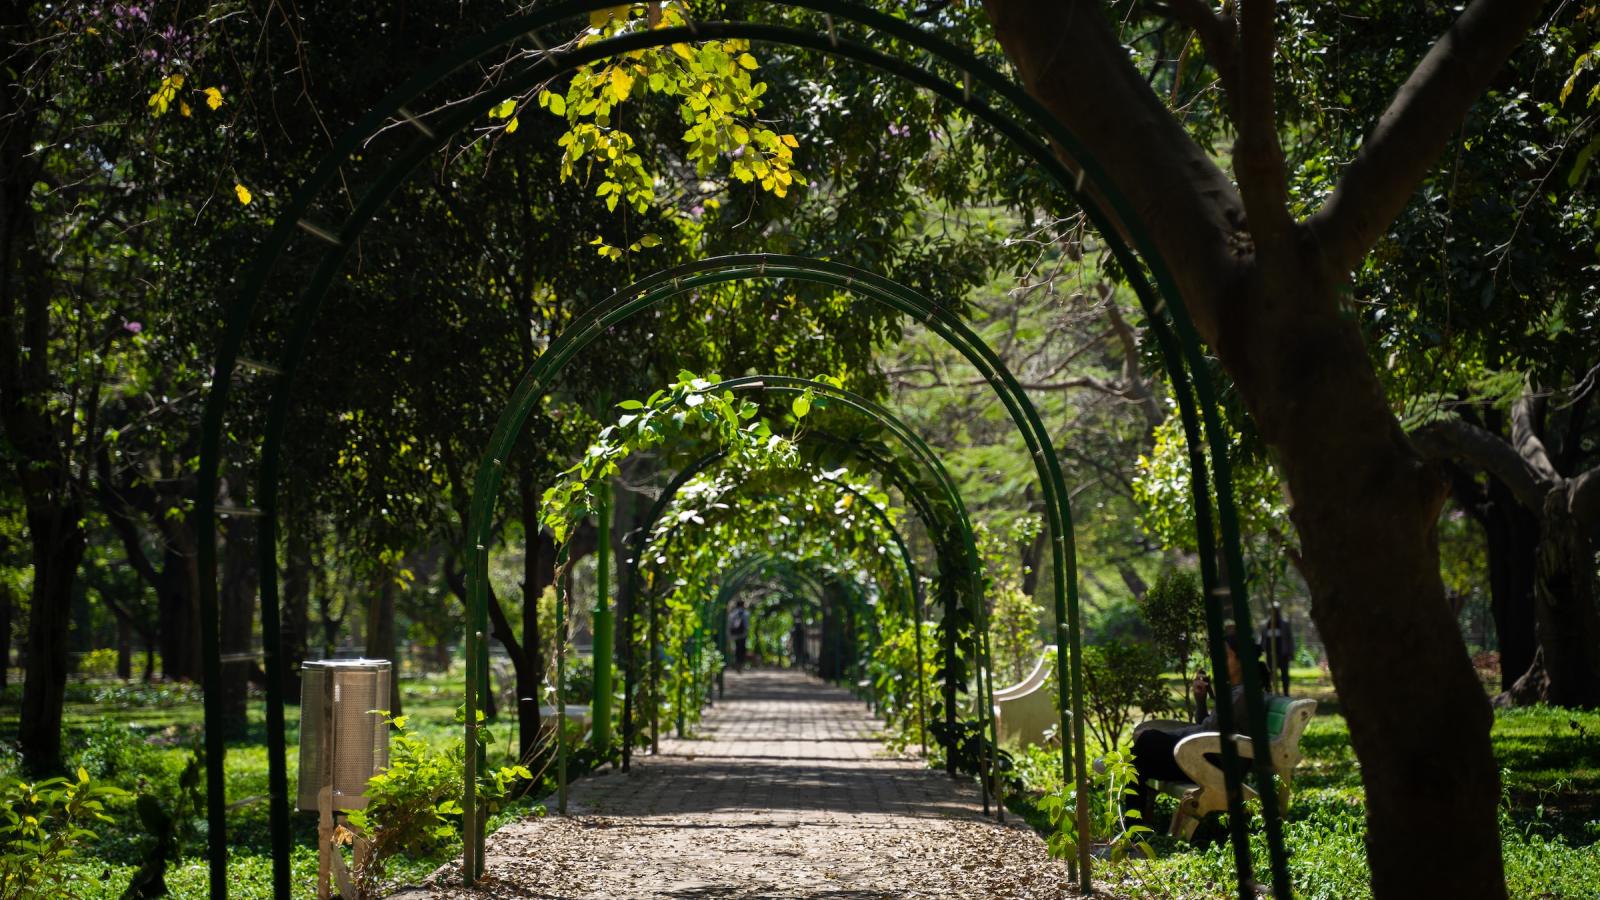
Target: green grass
x,y
1550,817
140,738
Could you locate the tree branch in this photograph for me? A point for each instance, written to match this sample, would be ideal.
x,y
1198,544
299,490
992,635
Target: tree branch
x,y
1258,154
1454,439
1186,205
1414,130
1525,415
1583,497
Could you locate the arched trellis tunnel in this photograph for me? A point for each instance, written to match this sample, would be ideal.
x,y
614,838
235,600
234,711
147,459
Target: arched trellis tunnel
x,y
950,73
507,435
644,535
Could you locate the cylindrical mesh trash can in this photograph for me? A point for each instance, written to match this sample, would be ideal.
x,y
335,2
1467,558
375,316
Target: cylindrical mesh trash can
x,y
358,738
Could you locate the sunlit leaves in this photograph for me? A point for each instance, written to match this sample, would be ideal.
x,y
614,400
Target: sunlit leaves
x,y
243,194
162,99
718,102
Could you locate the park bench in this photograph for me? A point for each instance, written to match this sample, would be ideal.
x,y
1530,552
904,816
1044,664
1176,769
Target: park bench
x,y
1026,711
1206,791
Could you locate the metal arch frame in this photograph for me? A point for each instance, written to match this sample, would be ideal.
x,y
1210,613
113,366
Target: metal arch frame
x,y
1180,345
641,537
667,284
913,601
799,570
509,428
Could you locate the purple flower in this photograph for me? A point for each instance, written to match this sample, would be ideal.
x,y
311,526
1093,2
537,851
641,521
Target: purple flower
x,y
900,131
133,327
697,210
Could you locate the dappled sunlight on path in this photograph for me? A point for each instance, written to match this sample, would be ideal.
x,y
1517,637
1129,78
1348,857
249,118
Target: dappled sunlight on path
x,y
783,792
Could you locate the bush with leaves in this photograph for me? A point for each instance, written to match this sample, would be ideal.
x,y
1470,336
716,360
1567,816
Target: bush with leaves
x,y
1174,608
1110,783
42,825
1120,677
414,804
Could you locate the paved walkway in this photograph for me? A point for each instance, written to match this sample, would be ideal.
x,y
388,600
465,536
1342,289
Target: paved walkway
x,y
783,793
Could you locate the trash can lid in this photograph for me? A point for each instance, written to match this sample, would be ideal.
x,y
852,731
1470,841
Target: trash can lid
x,y
360,662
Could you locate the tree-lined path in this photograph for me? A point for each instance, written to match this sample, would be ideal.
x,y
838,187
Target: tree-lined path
x,y
782,792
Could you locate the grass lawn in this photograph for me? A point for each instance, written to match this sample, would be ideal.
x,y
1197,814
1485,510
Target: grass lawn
x,y
1550,814
139,738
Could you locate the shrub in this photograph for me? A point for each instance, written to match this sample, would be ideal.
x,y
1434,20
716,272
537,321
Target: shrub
x,y
414,806
1120,676
42,825
100,663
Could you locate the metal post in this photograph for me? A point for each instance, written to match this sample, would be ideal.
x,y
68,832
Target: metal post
x,y
604,626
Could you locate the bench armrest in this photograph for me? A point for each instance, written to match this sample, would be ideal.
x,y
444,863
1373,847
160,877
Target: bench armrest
x,y
1191,753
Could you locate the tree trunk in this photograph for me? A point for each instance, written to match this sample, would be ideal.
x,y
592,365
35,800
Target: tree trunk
x,y
58,547
124,648
178,604
381,632
1512,541
295,630
5,635
237,615
1566,670
1270,296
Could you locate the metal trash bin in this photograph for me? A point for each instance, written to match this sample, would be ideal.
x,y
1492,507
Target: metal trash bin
x,y
337,702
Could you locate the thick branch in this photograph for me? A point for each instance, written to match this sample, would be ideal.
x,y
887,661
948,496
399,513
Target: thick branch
x,y
1258,154
1071,61
1464,442
1216,32
1525,414
1415,128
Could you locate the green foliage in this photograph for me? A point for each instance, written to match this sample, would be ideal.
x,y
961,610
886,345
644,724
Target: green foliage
x,y
718,102
100,663
414,804
1174,609
1121,679
1118,830
42,826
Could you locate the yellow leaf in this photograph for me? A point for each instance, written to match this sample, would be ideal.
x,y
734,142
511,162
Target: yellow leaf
x,y
621,84
164,95
503,108
213,98
183,109
511,126
243,193
789,141
558,104
748,61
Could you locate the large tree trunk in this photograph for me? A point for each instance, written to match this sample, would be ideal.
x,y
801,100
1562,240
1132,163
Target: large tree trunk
x,y
1566,670
58,547
178,604
1270,295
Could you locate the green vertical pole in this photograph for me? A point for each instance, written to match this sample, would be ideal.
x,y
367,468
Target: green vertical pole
x,y
561,680
604,625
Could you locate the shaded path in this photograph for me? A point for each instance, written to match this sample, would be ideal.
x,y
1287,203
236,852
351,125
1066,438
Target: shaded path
x,y
783,793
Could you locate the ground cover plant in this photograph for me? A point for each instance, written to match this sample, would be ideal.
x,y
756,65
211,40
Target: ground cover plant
x,y
1549,814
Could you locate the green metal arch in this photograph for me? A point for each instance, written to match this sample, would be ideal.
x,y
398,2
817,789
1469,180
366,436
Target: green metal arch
x,y
913,598
974,72
639,539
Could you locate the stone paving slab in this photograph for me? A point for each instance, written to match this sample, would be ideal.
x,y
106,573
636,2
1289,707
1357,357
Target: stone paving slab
x,y
784,792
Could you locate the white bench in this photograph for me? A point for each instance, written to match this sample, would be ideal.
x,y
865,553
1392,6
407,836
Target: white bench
x,y
1206,792
1025,711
